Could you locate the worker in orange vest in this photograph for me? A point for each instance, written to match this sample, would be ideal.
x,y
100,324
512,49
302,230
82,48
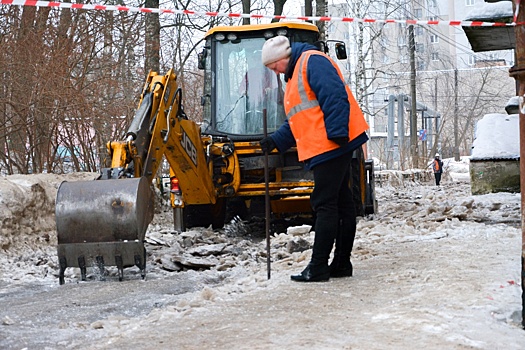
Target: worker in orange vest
x,y
437,166
326,124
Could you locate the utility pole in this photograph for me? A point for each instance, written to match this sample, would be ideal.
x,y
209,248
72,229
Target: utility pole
x,y
518,73
456,111
435,146
424,138
413,107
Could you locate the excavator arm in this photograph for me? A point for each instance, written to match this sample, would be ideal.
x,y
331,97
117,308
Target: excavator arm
x,y
103,222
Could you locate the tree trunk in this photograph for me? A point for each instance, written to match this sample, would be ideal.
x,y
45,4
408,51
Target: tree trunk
x,y
308,8
152,38
320,11
278,6
246,9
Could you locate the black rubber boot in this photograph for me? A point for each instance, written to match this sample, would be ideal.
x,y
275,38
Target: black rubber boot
x,y
318,269
313,273
344,242
341,267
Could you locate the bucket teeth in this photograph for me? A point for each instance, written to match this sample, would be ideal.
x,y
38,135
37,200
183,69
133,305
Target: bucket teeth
x,y
82,266
140,262
101,267
63,265
120,267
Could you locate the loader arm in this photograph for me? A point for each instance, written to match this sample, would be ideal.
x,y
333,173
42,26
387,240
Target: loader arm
x,y
177,138
103,222
167,132
140,153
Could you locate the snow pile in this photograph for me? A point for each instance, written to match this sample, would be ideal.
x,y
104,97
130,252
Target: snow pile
x,y
457,171
27,207
497,136
28,238
490,11
452,172
435,266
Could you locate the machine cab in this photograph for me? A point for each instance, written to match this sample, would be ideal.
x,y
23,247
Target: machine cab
x,y
238,87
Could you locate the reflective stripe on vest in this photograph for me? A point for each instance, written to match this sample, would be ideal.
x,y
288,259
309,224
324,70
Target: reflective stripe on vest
x,y
305,103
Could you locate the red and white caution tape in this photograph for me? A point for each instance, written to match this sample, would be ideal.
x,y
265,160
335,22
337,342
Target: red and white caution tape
x,y
100,7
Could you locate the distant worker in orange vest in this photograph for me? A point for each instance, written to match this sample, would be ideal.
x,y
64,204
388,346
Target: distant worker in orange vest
x,y
437,166
326,124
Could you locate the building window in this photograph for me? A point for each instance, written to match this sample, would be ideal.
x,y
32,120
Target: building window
x,y
434,38
470,2
418,30
471,60
435,56
420,48
418,13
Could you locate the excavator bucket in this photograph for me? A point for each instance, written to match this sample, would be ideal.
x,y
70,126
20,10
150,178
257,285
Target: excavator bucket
x,y
103,222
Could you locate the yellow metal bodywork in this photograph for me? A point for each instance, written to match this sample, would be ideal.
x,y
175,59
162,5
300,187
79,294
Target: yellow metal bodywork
x,y
188,162
253,27
120,151
243,149
179,140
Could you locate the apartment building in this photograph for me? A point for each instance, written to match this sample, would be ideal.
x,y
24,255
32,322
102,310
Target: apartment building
x,y
450,77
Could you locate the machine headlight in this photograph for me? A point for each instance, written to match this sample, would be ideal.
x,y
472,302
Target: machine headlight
x,y
282,32
231,37
220,36
268,34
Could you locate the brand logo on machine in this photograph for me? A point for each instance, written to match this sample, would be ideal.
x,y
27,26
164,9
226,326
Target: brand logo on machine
x,y
189,147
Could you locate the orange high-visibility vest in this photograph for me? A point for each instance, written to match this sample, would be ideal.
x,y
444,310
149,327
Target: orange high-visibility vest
x,y
305,116
436,165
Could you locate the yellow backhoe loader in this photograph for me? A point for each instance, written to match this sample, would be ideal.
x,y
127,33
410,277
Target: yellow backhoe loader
x,y
216,166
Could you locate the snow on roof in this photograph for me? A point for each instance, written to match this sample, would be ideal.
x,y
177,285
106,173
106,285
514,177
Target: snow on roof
x,y
513,105
513,101
491,10
497,136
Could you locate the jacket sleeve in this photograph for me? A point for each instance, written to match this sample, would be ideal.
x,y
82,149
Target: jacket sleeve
x,y
331,93
283,137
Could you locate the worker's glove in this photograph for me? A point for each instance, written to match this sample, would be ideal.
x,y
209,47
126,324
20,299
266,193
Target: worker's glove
x,y
267,144
341,141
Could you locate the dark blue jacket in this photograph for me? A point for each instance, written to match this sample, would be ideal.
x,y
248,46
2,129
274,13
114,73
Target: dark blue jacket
x,y
331,94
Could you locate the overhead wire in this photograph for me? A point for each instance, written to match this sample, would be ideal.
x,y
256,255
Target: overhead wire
x,y
447,39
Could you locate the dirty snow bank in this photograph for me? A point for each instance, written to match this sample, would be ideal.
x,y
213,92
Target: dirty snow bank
x,y
435,268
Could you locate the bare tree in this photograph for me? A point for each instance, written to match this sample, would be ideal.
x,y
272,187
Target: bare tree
x,y
372,47
68,86
481,91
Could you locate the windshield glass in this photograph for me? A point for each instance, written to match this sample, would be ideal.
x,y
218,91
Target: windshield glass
x,y
244,88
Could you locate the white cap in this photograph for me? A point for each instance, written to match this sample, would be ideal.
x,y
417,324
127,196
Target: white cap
x,y
437,154
275,49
